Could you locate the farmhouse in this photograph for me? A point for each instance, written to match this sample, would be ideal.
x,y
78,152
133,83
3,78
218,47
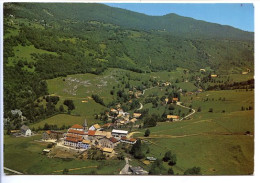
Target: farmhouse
x,y
173,117
119,133
25,130
108,142
49,134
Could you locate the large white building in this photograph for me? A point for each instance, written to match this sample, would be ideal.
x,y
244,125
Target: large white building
x,y
119,133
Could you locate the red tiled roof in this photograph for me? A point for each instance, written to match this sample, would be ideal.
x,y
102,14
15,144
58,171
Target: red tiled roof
x,y
91,132
112,139
72,135
132,140
74,139
77,126
123,138
48,132
76,131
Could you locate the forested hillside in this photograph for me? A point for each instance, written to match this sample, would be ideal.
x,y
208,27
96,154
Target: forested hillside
x,y
43,41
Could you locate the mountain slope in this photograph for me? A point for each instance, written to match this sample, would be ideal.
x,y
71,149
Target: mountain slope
x,y
172,23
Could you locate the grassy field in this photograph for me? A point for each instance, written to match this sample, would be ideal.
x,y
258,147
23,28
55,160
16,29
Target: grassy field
x,y
216,141
24,155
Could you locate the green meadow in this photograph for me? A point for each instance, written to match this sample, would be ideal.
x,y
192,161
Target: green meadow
x,y
24,154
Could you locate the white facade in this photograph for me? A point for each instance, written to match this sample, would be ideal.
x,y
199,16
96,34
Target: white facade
x,y
28,132
119,133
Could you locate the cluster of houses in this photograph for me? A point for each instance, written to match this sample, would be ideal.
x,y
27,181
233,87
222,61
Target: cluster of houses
x,y
82,137
120,118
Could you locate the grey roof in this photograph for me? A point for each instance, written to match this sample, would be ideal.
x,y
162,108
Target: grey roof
x,y
24,128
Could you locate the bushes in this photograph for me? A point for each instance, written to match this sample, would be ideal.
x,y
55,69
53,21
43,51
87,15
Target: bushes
x,y
98,99
69,104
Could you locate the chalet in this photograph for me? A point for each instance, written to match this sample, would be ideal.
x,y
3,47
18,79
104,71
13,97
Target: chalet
x,y
137,115
214,75
173,117
108,142
49,134
128,140
119,133
95,127
25,130
108,152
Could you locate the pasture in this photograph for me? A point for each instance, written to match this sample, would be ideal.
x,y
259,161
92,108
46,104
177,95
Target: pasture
x,y
24,154
216,142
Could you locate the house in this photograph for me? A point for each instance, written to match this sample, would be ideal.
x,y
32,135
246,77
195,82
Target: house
x,y
166,101
108,142
100,134
49,134
108,152
202,70
137,170
173,117
95,127
133,120
174,99
91,134
113,110
119,133
25,130
137,115
244,73
128,140
214,75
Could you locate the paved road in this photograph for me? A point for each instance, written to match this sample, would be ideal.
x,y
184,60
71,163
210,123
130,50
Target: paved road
x,y
124,171
193,110
14,171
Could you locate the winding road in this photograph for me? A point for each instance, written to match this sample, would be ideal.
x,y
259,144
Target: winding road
x,y
193,111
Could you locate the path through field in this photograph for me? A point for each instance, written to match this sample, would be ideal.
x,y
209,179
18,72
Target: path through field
x,y
14,171
193,111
